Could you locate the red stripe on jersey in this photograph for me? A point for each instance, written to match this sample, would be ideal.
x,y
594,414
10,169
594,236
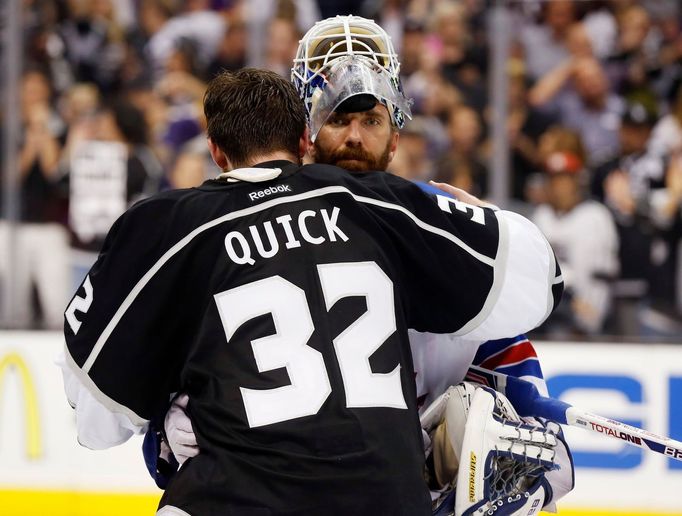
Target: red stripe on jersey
x,y
477,378
518,352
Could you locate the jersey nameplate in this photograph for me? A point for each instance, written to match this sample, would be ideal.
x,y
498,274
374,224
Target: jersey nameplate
x,y
262,241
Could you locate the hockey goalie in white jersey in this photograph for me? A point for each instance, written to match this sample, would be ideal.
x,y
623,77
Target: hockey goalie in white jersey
x,y
346,66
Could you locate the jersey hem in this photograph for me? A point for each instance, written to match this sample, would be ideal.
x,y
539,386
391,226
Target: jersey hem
x,y
102,398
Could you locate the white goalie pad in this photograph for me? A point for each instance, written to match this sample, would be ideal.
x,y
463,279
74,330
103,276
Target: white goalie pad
x,y
481,447
444,421
503,460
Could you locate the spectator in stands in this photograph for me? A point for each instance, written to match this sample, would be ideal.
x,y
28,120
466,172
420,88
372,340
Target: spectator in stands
x,y
462,62
624,184
588,257
231,53
670,53
555,139
666,283
182,93
578,41
667,134
544,44
414,34
412,159
635,56
41,238
634,167
461,165
157,54
93,42
434,97
601,27
183,58
588,105
80,109
525,125
282,42
197,23
101,191
192,167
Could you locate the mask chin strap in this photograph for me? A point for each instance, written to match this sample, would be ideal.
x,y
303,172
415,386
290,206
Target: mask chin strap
x,y
252,175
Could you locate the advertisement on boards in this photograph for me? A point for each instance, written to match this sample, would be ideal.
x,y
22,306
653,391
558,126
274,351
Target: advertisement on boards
x,y
38,428
641,385
637,384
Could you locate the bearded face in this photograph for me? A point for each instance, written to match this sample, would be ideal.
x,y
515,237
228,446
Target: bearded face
x,y
357,141
355,158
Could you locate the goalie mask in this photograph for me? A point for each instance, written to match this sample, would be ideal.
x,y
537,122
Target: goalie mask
x,y
332,53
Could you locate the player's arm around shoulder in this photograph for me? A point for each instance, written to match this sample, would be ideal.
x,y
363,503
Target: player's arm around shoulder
x,y
528,283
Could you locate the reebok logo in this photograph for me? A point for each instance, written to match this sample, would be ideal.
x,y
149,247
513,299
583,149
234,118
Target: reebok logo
x,y
269,191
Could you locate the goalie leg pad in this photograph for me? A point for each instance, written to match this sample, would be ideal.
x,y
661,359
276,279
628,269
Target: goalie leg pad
x,y
503,460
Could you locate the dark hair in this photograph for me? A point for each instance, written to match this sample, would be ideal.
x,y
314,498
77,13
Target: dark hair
x,y
253,112
130,121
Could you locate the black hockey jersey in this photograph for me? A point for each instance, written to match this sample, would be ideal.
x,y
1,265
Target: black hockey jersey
x,y
282,308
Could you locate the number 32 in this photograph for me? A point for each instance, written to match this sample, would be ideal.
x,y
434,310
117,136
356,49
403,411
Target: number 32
x,y
288,348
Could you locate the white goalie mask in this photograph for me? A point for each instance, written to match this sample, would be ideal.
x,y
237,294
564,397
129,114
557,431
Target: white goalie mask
x,y
350,76
347,45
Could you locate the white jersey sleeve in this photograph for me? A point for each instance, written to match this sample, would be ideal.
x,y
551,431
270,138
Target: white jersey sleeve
x,y
525,297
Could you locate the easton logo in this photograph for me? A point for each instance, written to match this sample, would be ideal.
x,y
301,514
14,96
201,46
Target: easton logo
x,y
620,435
269,191
472,477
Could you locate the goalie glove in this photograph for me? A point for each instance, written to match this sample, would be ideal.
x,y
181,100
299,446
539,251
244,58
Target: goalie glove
x,y
516,466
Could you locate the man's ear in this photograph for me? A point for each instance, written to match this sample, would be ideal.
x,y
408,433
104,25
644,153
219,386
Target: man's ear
x,y
305,144
218,156
395,136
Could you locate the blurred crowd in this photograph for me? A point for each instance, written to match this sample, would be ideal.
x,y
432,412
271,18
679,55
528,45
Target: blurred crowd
x,y
110,112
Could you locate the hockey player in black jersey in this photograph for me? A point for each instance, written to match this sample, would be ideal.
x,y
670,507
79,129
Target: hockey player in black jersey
x,y
360,135
278,297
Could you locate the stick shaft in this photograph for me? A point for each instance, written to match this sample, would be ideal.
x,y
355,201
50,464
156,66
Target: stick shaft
x,y
629,434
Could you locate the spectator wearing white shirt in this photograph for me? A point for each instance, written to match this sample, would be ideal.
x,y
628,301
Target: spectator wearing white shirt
x,y
584,238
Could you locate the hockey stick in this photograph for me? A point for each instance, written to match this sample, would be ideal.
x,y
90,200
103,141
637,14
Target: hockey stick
x,y
529,403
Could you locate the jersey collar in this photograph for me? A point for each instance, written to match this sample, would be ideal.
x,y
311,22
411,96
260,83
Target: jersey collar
x,y
265,171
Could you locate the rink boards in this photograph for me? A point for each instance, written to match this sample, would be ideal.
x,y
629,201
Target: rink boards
x,y
43,470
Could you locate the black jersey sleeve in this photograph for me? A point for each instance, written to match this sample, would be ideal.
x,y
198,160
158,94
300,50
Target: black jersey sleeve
x,y
124,317
468,270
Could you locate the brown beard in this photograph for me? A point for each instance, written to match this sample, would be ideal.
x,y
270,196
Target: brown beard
x,y
353,159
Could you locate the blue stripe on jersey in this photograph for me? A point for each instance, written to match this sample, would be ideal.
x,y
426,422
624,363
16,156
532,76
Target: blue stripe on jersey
x,y
429,189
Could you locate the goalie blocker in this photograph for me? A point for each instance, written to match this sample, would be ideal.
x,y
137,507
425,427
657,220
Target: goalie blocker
x,y
485,459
